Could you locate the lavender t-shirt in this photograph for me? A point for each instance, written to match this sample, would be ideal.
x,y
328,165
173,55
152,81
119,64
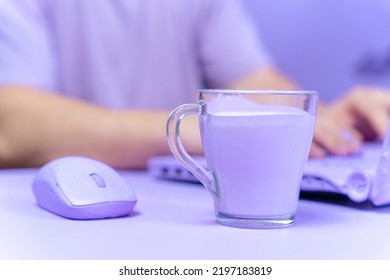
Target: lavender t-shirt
x,y
127,54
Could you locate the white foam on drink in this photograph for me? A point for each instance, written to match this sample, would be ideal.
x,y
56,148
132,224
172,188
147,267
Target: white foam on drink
x,y
236,105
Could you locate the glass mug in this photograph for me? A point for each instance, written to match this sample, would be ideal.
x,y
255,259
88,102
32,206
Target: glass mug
x,y
256,143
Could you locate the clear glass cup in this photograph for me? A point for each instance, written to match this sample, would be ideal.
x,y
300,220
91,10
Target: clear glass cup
x,y
256,143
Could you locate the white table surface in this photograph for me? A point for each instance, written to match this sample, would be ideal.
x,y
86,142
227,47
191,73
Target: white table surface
x,y
175,220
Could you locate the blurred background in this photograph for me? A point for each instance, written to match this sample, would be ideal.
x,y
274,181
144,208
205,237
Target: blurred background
x,y
327,45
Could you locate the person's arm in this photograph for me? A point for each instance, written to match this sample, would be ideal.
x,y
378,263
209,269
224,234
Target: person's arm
x,y
36,126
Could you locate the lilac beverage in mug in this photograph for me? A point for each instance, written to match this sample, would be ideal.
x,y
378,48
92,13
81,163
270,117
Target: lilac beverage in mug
x,y
256,158
256,144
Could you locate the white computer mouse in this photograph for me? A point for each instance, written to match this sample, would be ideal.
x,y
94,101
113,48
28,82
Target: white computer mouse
x,y
82,188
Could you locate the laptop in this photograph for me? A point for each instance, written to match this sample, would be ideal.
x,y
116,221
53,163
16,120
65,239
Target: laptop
x,y
362,177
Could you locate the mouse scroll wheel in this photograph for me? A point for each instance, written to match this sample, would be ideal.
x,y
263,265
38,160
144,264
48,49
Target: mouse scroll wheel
x,y
98,180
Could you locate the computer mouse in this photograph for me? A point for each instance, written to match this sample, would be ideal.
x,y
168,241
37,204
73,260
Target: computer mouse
x,y
77,187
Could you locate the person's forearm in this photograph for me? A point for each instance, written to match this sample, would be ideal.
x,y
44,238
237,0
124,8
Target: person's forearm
x,y
264,78
36,127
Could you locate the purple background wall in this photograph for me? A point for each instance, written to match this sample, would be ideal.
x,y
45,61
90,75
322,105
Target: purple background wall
x,y
327,45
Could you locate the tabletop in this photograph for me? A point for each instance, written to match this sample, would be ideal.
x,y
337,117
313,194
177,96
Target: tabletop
x,y
175,221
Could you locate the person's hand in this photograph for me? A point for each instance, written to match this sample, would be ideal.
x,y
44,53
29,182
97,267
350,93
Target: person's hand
x,y
362,114
366,109
332,138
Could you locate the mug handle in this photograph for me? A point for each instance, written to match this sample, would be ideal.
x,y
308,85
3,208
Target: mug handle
x,y
177,148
